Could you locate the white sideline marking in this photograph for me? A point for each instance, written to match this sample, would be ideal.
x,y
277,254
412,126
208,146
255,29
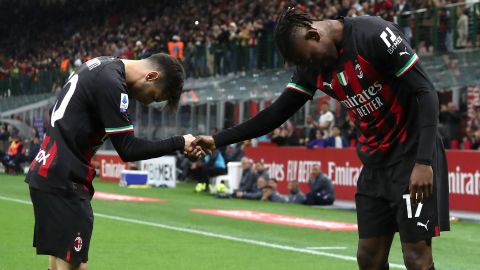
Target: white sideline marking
x,y
322,248
219,236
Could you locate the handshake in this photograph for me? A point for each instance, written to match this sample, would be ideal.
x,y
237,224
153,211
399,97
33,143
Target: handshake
x,y
197,147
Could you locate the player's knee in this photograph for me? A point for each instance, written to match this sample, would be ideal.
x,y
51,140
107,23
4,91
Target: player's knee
x,y
368,259
83,266
417,261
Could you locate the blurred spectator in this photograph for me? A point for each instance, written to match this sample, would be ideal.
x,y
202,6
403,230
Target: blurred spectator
x,y
175,47
450,119
279,136
336,140
327,119
213,165
260,169
249,177
321,188
270,192
295,195
476,141
291,135
4,135
475,122
402,11
319,141
256,193
15,155
308,132
462,28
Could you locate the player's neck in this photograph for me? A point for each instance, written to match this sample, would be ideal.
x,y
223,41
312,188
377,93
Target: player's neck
x,y
333,28
134,72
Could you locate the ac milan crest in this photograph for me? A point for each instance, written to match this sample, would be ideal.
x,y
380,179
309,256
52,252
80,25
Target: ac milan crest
x,y
77,244
358,71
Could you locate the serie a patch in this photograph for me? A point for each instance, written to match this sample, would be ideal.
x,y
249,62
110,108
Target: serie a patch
x,y
123,103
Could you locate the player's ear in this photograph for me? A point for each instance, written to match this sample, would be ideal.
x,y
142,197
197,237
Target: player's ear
x,y
152,76
312,34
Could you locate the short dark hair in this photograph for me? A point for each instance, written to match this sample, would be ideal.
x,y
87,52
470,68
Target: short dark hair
x,y
174,77
273,179
288,22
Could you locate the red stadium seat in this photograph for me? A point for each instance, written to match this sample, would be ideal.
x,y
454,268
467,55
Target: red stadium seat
x,y
467,144
454,144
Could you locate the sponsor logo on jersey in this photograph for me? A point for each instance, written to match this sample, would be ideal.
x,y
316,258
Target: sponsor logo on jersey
x,y
366,102
93,63
358,71
77,244
391,40
123,102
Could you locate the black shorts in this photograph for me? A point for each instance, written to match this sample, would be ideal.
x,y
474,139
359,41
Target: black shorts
x,y
63,224
384,207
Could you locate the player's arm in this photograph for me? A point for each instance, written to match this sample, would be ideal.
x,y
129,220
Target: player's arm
x,y
297,93
267,120
130,148
398,59
112,104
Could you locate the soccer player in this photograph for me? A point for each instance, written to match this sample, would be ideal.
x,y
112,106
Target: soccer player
x,y
93,106
367,65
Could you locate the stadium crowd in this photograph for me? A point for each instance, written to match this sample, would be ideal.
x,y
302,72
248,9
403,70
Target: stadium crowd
x,y
210,37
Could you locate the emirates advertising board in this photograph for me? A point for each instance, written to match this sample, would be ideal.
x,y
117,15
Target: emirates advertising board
x,y
343,167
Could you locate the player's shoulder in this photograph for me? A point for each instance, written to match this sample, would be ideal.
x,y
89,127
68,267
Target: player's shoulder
x,y
101,68
367,23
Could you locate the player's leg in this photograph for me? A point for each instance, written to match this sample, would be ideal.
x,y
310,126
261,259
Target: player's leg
x,y
376,219
63,265
52,263
418,255
63,227
373,252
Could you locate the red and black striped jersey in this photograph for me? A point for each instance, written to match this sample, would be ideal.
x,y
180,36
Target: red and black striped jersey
x,y
367,81
91,105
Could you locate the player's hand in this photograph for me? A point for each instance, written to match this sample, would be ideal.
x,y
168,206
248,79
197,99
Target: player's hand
x,y
205,142
191,152
421,183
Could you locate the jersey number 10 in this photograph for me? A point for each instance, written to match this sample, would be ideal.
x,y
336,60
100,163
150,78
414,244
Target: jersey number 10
x,y
58,113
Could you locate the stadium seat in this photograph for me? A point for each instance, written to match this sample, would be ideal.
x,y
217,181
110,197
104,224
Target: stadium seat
x,y
454,144
467,144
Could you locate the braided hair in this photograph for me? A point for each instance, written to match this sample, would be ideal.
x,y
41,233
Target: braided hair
x,y
289,21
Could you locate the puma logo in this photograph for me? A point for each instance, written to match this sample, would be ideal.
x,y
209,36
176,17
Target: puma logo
x,y
329,85
423,225
404,52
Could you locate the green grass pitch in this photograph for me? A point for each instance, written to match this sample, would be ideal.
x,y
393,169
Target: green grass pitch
x,y
168,235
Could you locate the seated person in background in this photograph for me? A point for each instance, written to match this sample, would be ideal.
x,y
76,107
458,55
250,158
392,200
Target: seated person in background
x,y
292,138
321,188
318,142
32,149
279,136
249,177
256,193
212,165
295,195
15,154
260,169
270,192
336,140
